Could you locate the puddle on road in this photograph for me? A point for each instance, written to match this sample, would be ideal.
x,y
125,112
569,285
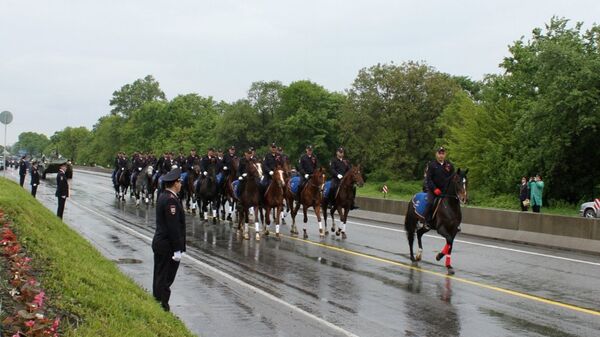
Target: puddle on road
x,y
127,261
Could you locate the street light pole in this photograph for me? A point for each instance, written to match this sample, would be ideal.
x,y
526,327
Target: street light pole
x,y
5,118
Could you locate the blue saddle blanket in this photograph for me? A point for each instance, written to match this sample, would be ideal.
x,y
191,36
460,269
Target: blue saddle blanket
x,y
295,184
236,188
327,188
184,176
220,178
420,203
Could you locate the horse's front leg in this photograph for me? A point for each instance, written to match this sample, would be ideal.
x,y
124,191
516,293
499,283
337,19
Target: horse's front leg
x,y
305,212
341,229
420,233
447,250
258,213
343,219
294,229
278,215
317,208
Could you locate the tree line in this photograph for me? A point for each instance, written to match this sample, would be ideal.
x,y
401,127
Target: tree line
x,y
541,115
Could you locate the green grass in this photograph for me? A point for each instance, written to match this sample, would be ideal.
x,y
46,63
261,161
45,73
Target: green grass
x,y
404,190
79,279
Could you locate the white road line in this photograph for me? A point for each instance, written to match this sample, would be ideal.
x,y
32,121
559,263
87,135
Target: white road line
x,y
480,244
230,277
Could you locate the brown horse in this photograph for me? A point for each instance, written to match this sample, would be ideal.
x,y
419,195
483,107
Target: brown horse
x,y
342,202
447,218
310,196
250,198
274,198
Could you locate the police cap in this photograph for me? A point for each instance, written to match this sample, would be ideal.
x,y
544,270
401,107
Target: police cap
x,y
172,175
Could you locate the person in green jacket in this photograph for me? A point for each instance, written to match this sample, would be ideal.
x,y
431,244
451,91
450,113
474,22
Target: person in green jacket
x,y
536,186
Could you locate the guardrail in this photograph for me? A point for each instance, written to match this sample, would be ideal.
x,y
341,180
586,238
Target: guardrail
x,y
558,225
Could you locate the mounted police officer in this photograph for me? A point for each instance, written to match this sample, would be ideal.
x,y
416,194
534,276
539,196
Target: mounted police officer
x,y
180,161
228,159
338,168
437,177
284,157
207,162
307,165
270,164
137,165
192,159
168,244
243,169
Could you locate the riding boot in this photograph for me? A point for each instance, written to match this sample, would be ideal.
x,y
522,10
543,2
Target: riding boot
x,y
428,214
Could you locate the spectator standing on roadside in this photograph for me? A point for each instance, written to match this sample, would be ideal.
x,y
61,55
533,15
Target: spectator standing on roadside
x,y
524,194
35,178
536,186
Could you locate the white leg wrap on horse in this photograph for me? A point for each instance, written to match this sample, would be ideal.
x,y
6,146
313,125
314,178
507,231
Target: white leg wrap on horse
x,y
214,213
343,227
205,215
251,210
276,228
257,226
320,225
245,227
230,209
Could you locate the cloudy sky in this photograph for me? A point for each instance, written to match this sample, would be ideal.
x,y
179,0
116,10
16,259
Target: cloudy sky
x,y
60,61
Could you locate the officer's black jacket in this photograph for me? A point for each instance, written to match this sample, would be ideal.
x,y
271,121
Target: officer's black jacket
x,y
438,175
35,176
169,236
339,166
228,160
62,186
191,161
271,161
138,163
22,168
308,165
242,167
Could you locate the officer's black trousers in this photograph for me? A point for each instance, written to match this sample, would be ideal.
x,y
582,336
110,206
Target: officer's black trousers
x,y
33,190
61,207
21,179
164,276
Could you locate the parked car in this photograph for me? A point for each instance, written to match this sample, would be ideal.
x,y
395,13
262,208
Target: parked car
x,y
588,210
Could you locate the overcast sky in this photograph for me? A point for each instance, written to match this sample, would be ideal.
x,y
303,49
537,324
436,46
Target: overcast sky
x,y
60,61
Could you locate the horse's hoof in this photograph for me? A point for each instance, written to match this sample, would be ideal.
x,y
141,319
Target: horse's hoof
x,y
257,236
450,270
277,235
321,234
344,236
332,229
246,236
229,218
326,231
413,259
283,221
439,256
214,220
337,233
266,233
305,235
418,258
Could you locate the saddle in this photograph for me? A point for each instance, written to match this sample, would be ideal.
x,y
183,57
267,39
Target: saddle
x,y
420,202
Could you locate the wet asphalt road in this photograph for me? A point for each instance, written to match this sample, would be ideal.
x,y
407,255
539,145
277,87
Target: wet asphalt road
x,y
363,286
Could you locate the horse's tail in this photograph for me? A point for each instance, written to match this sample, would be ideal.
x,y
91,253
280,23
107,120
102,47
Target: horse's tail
x,y
410,220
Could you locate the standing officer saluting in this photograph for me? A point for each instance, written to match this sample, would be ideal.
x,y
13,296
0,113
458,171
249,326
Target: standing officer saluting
x,y
62,189
35,177
169,239
437,174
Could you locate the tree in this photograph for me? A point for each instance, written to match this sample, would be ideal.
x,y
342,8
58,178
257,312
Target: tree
x,y
32,143
69,142
389,120
132,96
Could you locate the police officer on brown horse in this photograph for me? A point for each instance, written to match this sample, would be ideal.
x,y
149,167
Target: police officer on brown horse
x,y
437,175
270,163
338,168
307,165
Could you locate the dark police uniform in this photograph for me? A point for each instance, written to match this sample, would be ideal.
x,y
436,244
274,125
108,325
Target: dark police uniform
x,y
269,164
35,179
22,171
169,238
228,162
191,161
62,192
338,166
307,165
437,177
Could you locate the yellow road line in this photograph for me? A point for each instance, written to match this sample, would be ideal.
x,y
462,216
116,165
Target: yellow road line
x,y
459,279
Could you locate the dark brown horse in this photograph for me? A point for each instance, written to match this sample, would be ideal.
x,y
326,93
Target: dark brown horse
x,y
343,199
447,218
310,196
273,199
228,195
249,198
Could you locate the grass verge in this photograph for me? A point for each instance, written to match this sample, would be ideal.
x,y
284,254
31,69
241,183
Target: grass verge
x,y
404,190
79,279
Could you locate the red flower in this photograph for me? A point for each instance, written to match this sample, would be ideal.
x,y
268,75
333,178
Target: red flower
x,y
29,324
39,299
